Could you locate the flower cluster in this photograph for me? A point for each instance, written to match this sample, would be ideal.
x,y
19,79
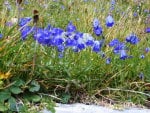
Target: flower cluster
x,y
132,38
97,29
59,38
120,48
24,21
73,39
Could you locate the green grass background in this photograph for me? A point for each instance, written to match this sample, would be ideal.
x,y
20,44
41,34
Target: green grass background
x,y
85,71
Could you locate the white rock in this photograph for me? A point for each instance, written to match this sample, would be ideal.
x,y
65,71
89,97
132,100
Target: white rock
x,y
82,108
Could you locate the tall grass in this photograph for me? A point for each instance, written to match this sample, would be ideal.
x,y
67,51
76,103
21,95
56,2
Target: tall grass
x,y
85,71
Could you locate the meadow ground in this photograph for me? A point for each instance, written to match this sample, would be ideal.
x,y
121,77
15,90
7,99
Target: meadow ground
x,y
71,51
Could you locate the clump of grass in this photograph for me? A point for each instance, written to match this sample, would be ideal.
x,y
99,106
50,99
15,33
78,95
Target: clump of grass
x,y
84,71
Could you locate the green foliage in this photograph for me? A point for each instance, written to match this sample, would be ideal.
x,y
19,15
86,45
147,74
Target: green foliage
x,y
76,72
32,97
4,95
12,104
3,108
10,96
65,98
34,86
15,90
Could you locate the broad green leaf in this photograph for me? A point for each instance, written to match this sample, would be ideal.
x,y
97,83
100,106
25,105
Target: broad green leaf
x,y
33,98
3,108
36,98
34,86
15,90
1,83
12,104
4,95
19,82
65,98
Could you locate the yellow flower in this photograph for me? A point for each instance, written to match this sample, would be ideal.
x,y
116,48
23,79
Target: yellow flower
x,y
5,75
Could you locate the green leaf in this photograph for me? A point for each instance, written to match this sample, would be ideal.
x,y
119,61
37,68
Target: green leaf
x,y
4,95
12,104
36,98
19,82
65,98
3,108
34,86
15,90
1,84
33,98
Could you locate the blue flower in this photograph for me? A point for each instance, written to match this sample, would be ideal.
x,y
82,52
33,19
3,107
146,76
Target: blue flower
x,y
114,42
102,54
147,49
49,27
58,40
97,46
63,7
24,21
109,21
57,31
89,40
132,39
146,11
1,36
68,34
112,2
142,56
42,36
70,28
80,44
141,76
38,33
108,61
123,54
47,40
25,32
96,22
147,30
78,35
75,49
98,30
118,48
71,42
60,48
135,14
